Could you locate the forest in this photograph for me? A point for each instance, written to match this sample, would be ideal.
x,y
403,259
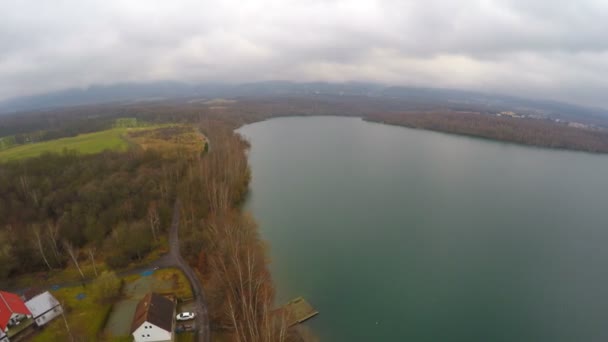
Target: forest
x,y
57,202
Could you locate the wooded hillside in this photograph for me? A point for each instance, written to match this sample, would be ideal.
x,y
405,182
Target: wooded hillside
x,y
533,132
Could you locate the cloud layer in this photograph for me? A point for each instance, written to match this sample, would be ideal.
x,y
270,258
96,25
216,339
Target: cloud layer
x,y
545,48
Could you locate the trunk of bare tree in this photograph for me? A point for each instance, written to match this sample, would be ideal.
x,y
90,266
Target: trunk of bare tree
x,y
154,220
65,321
37,233
91,251
53,231
70,249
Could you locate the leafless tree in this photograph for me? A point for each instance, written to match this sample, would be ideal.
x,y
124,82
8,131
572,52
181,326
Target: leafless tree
x,y
238,258
36,230
73,255
65,321
53,233
92,256
154,220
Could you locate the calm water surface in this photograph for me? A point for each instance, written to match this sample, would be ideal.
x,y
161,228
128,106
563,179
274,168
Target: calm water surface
x,y
396,234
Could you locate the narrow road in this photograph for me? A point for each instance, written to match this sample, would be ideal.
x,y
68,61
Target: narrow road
x,y
202,316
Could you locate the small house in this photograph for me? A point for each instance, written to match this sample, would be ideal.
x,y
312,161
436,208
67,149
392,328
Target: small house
x,y
3,337
44,308
154,319
12,310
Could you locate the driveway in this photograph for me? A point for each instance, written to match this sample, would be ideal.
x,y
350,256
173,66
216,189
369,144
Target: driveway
x,y
200,306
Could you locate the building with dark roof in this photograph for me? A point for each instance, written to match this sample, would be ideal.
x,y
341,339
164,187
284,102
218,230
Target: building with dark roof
x,y
154,319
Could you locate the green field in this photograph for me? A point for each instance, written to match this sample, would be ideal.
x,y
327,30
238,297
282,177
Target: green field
x,y
85,143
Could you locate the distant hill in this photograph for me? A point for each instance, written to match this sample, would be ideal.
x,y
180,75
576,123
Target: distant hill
x,y
425,97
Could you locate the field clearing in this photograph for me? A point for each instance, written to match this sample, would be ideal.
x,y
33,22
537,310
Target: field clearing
x,y
90,143
170,140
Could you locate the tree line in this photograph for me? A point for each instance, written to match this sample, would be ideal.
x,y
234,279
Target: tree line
x,y
536,132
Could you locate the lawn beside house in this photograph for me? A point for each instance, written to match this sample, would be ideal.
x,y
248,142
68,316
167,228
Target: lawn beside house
x,y
85,316
168,281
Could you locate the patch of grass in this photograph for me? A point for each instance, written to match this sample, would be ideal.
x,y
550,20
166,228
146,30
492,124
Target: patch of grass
x,y
84,143
85,317
58,276
181,285
71,275
159,249
131,278
24,324
184,337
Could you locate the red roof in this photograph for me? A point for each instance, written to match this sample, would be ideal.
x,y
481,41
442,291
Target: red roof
x,y
10,303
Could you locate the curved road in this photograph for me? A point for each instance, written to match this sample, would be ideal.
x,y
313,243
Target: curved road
x,y
202,316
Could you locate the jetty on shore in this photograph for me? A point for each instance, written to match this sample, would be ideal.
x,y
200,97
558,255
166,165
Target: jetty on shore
x,y
297,311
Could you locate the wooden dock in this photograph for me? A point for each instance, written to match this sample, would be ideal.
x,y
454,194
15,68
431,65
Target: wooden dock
x,y
297,311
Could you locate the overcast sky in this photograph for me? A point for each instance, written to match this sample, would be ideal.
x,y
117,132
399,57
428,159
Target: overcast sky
x,y
536,48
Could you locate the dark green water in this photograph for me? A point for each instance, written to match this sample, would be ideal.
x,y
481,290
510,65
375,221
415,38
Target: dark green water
x,y
396,234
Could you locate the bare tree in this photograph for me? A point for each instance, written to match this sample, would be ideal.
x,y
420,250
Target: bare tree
x,y
249,294
153,219
65,321
53,232
91,254
73,253
36,230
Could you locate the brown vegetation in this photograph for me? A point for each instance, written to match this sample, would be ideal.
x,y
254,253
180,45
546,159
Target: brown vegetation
x,y
224,243
534,132
171,141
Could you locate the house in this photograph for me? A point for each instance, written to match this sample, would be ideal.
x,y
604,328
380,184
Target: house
x,y
44,308
3,337
154,319
12,310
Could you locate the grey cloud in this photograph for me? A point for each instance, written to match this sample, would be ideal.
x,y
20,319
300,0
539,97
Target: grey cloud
x,y
554,49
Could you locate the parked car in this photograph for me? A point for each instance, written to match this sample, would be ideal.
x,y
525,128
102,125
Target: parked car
x,y
185,316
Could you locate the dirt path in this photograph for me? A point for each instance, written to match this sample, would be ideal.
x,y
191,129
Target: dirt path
x,y
174,257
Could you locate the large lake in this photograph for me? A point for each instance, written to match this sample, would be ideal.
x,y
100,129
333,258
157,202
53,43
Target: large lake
x,y
396,234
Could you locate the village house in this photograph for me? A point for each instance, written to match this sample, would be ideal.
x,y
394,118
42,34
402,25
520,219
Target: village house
x,y
3,337
154,319
44,308
12,310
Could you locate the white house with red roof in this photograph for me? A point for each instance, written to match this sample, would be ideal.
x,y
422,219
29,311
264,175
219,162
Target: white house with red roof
x,y
12,310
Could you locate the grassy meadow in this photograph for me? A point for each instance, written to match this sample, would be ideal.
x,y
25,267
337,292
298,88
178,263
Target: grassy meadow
x,y
90,143
168,139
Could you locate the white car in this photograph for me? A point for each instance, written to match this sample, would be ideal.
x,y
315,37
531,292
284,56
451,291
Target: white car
x,y
185,316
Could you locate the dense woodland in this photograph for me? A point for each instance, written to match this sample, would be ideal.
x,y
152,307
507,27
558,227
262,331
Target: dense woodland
x,y
98,202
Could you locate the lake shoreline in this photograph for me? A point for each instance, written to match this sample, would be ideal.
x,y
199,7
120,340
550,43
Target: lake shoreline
x,y
414,272
371,118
